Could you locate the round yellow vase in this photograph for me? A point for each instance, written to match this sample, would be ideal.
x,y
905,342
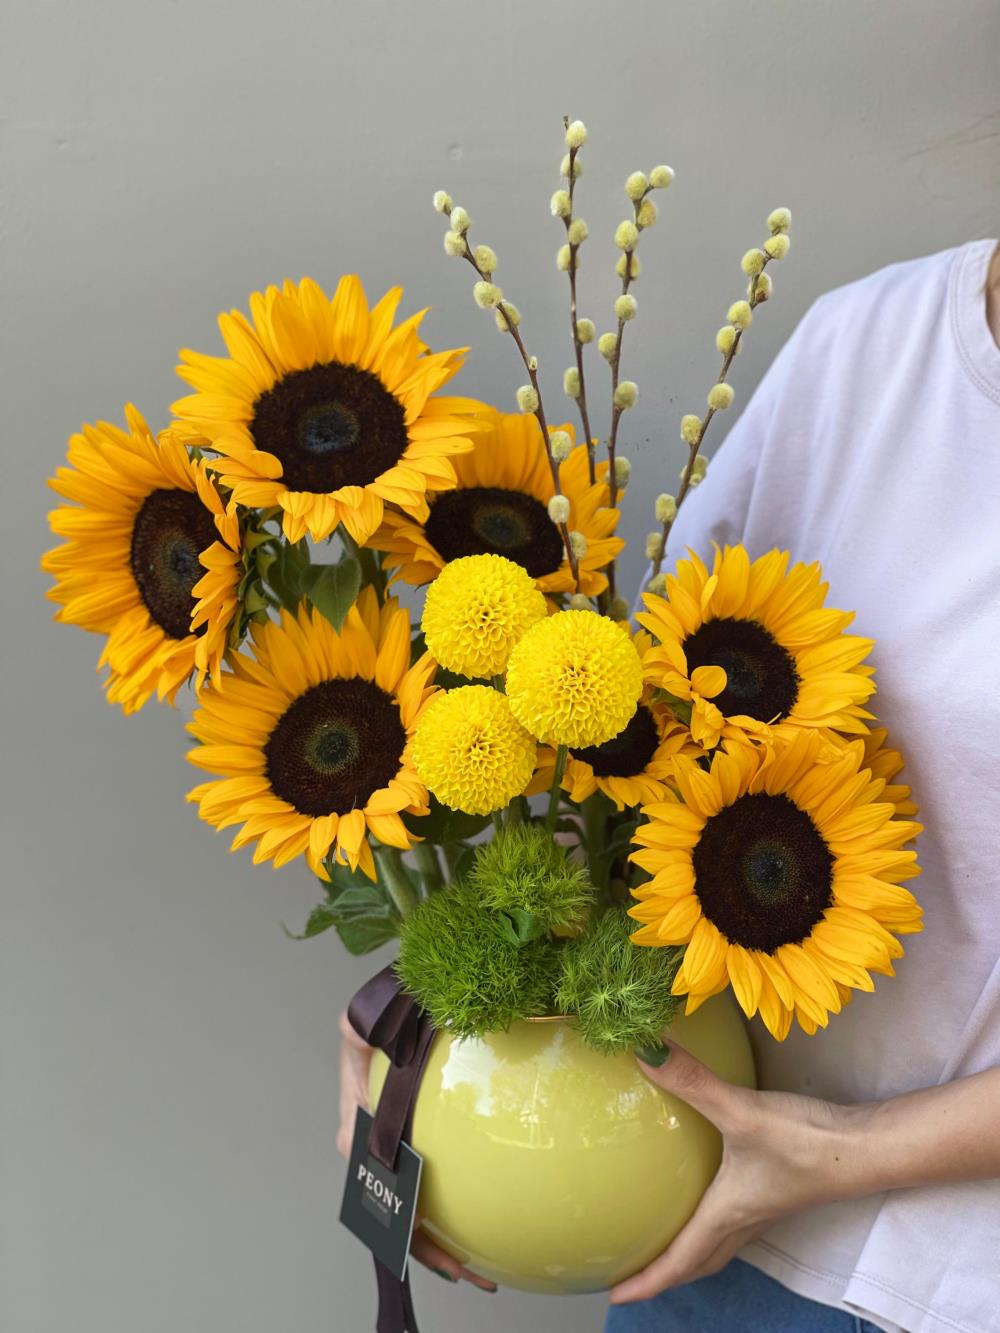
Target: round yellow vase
x,y
552,1168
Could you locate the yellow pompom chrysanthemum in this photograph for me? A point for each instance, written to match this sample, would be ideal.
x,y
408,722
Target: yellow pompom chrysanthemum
x,y
574,679
471,752
476,610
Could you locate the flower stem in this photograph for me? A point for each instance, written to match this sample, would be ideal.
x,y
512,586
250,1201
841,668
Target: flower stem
x,y
426,857
556,789
393,875
581,401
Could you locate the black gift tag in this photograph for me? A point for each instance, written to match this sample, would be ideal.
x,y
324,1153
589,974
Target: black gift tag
x,y
380,1205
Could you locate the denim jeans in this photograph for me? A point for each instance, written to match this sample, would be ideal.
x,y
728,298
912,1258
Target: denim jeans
x,y
740,1299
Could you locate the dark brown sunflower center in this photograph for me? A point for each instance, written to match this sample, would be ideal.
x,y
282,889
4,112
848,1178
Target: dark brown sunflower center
x,y
627,753
488,520
336,744
761,680
331,426
169,533
763,873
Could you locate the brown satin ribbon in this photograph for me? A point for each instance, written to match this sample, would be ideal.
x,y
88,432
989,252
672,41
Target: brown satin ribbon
x,y
384,1017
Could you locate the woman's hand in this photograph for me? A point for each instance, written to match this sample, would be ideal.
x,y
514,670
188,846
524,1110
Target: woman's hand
x,y
355,1063
781,1153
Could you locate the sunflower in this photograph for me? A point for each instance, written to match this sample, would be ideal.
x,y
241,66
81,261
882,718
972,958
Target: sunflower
x,y
310,737
750,645
780,872
500,507
887,763
152,558
634,767
326,410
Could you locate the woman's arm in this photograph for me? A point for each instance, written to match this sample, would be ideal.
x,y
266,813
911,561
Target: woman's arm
x,y
783,1153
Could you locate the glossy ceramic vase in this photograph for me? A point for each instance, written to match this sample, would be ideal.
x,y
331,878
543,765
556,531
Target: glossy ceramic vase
x,y
552,1168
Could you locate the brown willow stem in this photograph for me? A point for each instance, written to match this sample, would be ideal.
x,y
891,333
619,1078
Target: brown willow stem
x,y
695,446
539,412
616,412
581,401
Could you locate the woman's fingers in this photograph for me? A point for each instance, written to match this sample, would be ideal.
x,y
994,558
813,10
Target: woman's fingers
x,y
355,1061
690,1251
725,1104
426,1252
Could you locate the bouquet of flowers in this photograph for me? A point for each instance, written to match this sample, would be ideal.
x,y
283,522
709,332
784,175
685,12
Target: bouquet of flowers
x,y
560,814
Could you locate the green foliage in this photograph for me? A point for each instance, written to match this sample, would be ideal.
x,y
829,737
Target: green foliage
x,y
457,961
361,912
333,589
619,991
287,571
444,825
522,872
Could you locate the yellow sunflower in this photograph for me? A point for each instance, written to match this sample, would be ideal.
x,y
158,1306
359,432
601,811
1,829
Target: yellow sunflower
x,y
152,558
311,737
326,410
500,507
781,873
887,763
633,768
751,644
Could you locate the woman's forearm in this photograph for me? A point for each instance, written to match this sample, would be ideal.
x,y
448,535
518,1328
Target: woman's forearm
x,y
930,1137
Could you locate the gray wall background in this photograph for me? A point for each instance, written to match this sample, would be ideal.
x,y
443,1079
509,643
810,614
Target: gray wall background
x,y
169,1084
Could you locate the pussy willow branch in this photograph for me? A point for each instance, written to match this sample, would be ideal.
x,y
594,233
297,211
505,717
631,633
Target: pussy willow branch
x,y
581,401
539,412
616,412
727,361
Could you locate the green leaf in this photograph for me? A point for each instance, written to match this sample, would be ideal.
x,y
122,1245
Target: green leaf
x,y
343,877
286,575
361,916
681,708
521,927
254,600
445,825
333,589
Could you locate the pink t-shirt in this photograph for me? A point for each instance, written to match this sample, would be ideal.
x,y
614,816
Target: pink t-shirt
x,y
873,446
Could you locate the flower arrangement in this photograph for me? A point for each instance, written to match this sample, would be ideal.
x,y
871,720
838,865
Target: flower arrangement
x,y
557,812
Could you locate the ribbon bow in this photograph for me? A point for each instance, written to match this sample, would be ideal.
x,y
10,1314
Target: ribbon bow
x,y
384,1017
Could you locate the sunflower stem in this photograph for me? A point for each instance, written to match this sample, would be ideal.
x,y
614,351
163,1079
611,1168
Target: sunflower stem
x,y
556,789
429,866
595,810
393,875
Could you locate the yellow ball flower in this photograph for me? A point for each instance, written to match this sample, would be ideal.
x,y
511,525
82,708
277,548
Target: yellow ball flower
x,y
471,752
476,610
574,679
